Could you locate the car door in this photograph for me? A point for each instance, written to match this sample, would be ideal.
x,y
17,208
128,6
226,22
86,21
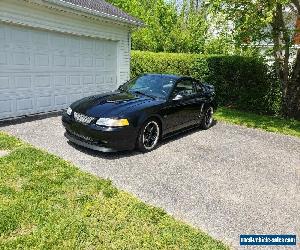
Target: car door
x,y
199,100
182,108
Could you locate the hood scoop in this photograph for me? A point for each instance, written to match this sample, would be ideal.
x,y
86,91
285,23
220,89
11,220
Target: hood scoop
x,y
108,104
119,101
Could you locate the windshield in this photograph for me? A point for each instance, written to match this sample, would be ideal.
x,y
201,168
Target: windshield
x,y
152,85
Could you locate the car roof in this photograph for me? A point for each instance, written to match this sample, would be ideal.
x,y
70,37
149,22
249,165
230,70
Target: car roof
x,y
175,77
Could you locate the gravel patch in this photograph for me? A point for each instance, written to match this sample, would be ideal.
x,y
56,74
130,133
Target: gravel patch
x,y
228,180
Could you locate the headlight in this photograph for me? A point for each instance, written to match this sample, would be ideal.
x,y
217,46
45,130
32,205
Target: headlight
x,y
108,122
69,111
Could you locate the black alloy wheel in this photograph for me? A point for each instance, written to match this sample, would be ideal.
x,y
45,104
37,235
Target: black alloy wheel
x,y
207,119
149,136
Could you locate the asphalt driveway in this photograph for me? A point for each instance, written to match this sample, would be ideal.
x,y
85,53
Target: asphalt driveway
x,y
228,180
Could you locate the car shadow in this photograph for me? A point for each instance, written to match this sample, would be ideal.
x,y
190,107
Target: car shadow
x,y
105,155
183,133
124,154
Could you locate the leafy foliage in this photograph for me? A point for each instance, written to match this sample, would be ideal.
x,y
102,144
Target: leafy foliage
x,y
270,23
166,27
249,18
240,81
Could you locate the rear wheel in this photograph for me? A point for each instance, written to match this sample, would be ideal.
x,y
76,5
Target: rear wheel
x,y
149,136
207,119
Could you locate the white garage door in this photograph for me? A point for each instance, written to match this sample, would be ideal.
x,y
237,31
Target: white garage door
x,y
43,71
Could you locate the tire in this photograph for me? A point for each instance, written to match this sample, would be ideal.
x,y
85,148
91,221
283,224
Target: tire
x,y
207,119
148,136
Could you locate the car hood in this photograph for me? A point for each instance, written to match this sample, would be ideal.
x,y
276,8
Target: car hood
x,y
110,104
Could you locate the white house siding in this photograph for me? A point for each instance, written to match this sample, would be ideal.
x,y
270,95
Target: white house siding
x,y
23,59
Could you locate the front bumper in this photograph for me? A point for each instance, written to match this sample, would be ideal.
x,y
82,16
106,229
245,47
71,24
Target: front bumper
x,y
104,139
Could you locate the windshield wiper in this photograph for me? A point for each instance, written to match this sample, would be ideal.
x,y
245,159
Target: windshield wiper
x,y
141,93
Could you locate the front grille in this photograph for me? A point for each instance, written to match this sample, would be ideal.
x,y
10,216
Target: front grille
x,y
79,136
83,118
84,138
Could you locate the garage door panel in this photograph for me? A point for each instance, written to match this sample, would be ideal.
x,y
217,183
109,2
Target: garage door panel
x,y
73,45
23,82
73,61
25,104
99,80
74,97
42,81
110,78
60,101
7,106
103,89
3,58
40,40
75,80
87,46
58,41
42,60
99,63
86,90
60,81
45,102
20,35
88,80
59,60
21,58
86,61
2,32
42,71
100,48
4,82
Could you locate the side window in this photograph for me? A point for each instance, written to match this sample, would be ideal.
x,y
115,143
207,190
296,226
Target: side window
x,y
185,88
198,87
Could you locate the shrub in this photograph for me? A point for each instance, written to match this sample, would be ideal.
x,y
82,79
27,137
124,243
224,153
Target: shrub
x,y
242,82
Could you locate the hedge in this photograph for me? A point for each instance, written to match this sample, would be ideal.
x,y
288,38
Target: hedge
x,y
242,82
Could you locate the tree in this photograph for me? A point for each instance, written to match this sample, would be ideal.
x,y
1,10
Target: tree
x,y
189,33
272,22
159,17
169,26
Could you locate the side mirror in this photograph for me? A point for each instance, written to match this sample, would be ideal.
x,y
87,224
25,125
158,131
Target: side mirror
x,y
177,97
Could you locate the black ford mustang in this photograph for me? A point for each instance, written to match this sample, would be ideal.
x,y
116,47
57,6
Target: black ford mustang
x,y
140,113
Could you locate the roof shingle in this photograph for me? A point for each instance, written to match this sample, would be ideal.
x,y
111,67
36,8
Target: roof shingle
x,y
104,8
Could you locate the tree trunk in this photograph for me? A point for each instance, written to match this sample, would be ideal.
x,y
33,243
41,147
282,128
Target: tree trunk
x,y
293,91
290,81
293,87
281,54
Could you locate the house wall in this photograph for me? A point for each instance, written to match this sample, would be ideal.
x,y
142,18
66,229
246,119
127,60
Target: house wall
x,y
38,14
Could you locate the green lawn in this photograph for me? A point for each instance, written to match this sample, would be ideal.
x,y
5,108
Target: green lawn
x,y
47,203
268,123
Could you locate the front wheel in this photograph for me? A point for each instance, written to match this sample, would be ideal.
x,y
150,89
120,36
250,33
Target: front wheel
x,y
148,136
207,119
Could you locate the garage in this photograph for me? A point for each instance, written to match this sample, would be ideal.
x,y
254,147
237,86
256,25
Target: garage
x,y
58,54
